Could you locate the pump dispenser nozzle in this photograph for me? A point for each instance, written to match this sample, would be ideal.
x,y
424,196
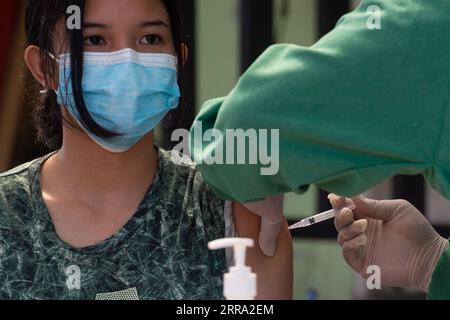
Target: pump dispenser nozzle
x,y
240,282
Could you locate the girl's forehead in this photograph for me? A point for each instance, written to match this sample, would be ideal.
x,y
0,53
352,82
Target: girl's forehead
x,y
120,11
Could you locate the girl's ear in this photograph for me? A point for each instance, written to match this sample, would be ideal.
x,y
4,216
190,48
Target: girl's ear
x,y
184,54
34,63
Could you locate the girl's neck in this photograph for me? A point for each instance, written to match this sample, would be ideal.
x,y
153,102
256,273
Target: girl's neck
x,y
84,169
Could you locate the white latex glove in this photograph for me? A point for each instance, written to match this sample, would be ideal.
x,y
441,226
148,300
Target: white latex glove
x,y
392,235
271,212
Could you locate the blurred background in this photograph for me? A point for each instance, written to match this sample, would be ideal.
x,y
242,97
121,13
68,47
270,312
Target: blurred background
x,y
225,37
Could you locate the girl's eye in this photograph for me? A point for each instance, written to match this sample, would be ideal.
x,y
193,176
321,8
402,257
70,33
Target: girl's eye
x,y
94,41
151,39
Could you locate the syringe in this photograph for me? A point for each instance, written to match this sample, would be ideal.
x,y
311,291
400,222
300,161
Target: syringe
x,y
327,215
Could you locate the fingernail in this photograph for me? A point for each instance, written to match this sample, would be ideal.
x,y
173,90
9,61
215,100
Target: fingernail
x,y
345,211
365,225
268,249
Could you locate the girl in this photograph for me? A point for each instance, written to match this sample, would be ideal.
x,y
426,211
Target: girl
x,y
108,211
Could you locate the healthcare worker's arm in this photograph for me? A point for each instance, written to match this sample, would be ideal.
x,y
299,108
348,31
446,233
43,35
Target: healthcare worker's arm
x,y
354,109
274,274
394,236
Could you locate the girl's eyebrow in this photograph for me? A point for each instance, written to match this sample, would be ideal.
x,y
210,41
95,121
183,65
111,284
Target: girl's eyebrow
x,y
153,23
149,23
94,25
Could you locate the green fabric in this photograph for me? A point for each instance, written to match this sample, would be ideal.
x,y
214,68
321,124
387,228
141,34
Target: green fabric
x,y
162,251
358,107
440,281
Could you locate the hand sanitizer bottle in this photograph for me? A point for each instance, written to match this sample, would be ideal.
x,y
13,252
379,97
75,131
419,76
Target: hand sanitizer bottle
x,y
240,282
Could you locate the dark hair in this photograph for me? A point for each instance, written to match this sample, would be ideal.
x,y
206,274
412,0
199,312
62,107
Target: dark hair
x,y
41,19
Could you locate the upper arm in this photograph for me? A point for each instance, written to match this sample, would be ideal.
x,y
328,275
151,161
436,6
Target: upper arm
x,y
274,274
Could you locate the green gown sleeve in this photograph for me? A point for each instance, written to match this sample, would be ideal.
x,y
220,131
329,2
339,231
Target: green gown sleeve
x,y
357,107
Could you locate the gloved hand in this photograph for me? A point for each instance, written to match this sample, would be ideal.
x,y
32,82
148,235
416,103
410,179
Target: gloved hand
x,y
271,212
392,235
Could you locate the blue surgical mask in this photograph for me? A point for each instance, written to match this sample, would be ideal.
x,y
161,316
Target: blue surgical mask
x,y
125,92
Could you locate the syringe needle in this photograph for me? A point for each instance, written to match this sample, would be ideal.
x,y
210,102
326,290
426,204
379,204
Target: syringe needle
x,y
298,225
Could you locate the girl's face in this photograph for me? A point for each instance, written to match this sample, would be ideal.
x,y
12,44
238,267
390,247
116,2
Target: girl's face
x,y
112,25
108,26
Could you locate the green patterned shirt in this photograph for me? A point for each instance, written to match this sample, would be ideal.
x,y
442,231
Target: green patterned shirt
x,y
161,253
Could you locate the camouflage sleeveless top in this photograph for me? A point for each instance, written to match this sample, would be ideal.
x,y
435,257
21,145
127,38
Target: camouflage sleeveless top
x,y
161,253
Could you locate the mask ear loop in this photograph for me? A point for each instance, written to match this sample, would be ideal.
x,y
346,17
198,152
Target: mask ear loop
x,y
51,55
